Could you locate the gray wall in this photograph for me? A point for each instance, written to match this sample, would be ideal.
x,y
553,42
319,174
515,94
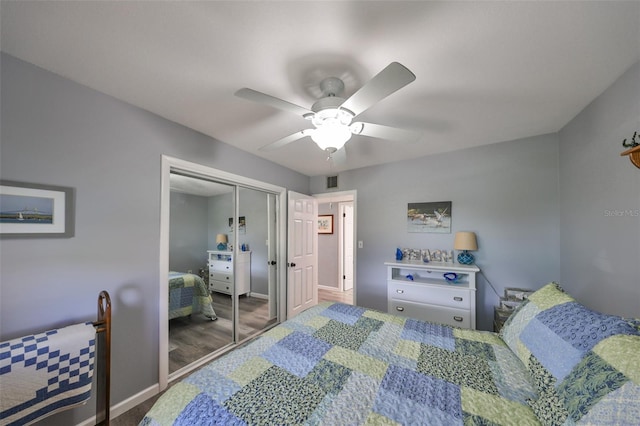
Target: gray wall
x,y
187,237
600,201
507,193
58,132
220,209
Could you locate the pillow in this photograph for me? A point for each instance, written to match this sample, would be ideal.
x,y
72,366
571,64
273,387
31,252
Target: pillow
x,y
584,364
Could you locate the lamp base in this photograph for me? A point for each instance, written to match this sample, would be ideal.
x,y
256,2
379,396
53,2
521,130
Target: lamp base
x,y
465,258
222,246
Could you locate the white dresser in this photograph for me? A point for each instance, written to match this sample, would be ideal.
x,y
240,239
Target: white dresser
x,y
420,290
222,274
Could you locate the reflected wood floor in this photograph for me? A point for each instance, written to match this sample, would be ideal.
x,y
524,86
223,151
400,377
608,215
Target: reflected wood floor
x,y
195,336
223,310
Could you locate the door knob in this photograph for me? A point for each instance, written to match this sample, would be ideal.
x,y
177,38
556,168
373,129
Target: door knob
x,y
293,265
273,262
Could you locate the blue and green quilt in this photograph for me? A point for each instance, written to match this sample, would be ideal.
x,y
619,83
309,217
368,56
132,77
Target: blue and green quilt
x,y
338,364
188,294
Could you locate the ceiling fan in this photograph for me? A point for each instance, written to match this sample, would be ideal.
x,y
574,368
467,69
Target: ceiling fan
x,y
332,116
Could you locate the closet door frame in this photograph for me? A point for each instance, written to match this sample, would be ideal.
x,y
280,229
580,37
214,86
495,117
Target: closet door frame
x,y
168,165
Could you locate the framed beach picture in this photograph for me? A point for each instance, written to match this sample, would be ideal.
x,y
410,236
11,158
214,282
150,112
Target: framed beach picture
x,y
36,211
432,217
325,224
242,225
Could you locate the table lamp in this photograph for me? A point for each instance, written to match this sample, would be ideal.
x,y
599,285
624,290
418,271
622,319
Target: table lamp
x,y
465,241
221,241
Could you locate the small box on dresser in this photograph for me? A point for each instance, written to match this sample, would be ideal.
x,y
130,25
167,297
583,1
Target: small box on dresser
x,y
420,290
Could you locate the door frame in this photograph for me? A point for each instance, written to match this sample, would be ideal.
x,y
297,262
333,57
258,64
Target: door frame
x,y
169,164
342,196
342,244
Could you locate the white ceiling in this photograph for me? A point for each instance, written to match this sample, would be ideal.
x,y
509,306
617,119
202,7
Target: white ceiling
x,y
195,186
486,71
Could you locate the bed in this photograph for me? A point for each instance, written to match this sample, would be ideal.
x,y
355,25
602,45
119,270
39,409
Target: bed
x,y
554,362
188,294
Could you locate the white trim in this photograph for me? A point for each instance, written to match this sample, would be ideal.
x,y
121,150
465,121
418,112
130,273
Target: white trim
x,y
259,295
163,316
126,405
336,196
328,287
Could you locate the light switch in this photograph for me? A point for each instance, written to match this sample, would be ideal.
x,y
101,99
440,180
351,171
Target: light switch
x,y
360,245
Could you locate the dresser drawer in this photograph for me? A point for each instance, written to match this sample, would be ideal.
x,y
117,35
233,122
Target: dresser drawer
x,y
431,313
436,295
220,265
221,286
220,276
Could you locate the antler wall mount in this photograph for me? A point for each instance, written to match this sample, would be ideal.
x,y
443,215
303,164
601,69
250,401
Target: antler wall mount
x,y
634,151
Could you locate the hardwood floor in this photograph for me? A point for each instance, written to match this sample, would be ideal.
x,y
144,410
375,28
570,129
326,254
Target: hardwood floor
x,y
257,320
325,294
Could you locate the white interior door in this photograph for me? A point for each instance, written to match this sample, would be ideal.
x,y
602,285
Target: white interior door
x,y
346,259
302,250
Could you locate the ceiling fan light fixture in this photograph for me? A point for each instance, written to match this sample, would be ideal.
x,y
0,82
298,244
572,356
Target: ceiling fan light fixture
x,y
331,136
332,115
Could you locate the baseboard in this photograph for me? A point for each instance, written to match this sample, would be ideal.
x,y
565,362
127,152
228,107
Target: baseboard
x,y
326,287
259,295
127,404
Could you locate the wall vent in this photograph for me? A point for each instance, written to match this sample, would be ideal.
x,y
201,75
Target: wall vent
x,y
332,182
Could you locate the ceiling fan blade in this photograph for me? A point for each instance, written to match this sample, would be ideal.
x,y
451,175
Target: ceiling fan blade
x,y
379,131
287,140
394,77
255,96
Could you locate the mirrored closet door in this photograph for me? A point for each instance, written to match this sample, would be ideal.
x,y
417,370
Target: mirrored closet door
x,y
257,307
222,280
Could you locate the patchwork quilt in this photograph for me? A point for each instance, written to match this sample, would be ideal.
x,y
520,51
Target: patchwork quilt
x,y
44,373
189,294
585,365
339,364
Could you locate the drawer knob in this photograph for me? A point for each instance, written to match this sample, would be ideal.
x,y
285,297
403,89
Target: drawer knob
x,y
399,291
399,308
457,318
458,299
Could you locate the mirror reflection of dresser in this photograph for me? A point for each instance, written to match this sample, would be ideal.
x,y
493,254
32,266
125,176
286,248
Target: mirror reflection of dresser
x,y
223,276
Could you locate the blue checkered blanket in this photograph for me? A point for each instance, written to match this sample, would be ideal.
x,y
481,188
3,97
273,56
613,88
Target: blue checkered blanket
x,y
45,373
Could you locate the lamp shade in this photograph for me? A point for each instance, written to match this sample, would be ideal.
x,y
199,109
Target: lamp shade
x,y
221,239
465,240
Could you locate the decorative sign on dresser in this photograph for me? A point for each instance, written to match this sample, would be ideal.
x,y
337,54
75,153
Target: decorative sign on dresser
x,y
438,292
223,276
